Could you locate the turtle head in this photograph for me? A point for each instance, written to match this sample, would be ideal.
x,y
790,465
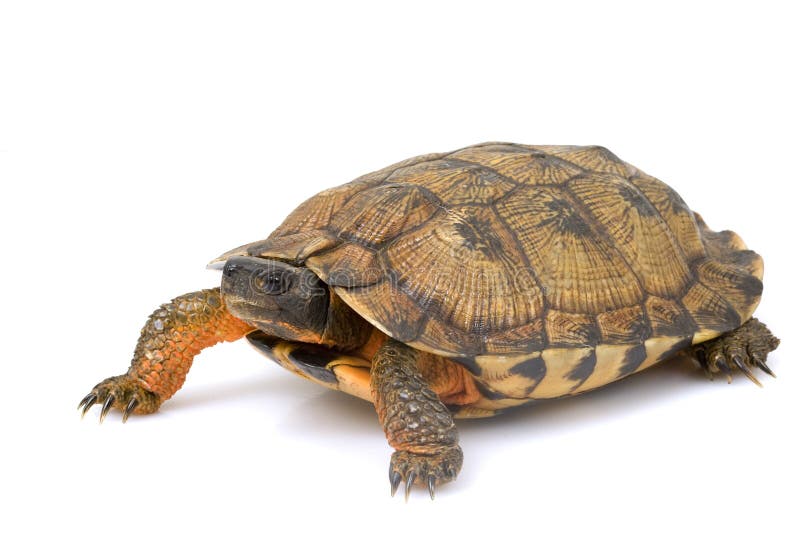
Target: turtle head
x,y
280,299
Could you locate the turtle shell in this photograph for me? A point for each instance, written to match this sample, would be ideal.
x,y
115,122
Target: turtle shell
x,y
524,263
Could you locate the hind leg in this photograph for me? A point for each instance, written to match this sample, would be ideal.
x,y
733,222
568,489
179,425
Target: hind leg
x,y
743,348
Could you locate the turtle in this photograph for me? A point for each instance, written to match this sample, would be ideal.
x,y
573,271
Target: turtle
x,y
464,284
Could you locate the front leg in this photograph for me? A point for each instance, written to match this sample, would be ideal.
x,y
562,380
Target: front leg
x,y
417,424
168,343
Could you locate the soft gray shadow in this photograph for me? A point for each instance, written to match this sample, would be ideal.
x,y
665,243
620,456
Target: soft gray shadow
x,y
331,413
262,389
325,412
339,419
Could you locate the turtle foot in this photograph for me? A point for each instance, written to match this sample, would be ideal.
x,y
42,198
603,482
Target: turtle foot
x,y
744,349
122,392
426,470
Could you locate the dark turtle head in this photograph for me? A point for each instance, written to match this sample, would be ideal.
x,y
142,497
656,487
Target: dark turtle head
x,y
279,299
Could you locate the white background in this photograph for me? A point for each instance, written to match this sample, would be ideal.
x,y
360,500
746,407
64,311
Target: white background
x,y
138,140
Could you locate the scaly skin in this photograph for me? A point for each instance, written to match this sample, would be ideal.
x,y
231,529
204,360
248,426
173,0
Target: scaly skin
x,y
173,335
415,421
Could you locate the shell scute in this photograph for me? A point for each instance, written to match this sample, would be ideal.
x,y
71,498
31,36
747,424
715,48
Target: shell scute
x,y
456,182
624,325
593,158
380,214
460,270
572,329
637,231
709,310
740,288
581,271
524,165
348,265
674,211
668,317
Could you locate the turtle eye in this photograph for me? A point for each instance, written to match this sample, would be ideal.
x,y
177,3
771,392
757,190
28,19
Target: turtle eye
x,y
271,282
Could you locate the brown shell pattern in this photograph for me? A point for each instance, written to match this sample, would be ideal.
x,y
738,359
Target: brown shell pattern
x,y
521,252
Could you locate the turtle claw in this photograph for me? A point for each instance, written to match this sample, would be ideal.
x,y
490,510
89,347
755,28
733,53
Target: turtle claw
x,y
394,479
427,470
410,482
121,392
87,402
764,367
451,472
106,407
129,409
723,366
746,371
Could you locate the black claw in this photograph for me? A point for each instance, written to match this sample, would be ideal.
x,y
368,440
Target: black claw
x,y
106,407
763,366
129,409
432,486
450,471
745,370
394,479
700,356
87,402
412,476
723,366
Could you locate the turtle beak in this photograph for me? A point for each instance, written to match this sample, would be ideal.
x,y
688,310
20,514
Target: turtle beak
x,y
216,265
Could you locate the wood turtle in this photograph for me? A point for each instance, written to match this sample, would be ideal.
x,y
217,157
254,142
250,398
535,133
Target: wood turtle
x,y
466,283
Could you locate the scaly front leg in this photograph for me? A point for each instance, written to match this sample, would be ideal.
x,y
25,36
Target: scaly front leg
x,y
416,422
173,335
